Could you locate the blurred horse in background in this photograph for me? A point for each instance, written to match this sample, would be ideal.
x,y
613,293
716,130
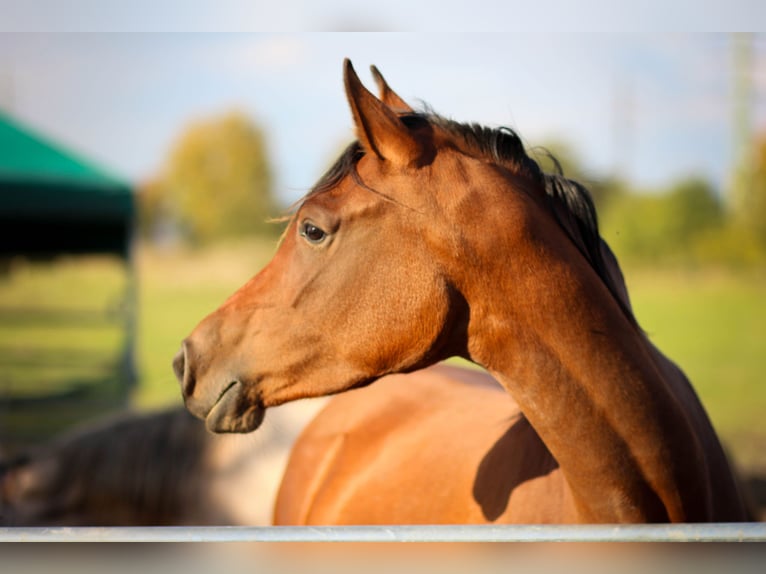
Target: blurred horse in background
x,y
150,469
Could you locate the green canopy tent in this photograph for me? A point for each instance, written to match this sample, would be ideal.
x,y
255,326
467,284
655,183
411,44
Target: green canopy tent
x,y
54,203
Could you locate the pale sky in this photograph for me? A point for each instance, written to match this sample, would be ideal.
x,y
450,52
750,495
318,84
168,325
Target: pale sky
x,y
506,16
655,104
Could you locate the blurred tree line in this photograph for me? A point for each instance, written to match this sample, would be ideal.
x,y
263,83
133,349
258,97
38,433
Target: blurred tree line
x,y
216,183
690,223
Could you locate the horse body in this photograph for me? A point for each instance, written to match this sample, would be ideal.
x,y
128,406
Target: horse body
x,y
431,239
444,445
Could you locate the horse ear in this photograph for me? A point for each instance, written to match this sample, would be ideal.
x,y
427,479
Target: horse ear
x,y
378,128
389,96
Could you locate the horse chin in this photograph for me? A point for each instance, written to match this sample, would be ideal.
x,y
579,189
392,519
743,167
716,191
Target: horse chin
x,y
232,414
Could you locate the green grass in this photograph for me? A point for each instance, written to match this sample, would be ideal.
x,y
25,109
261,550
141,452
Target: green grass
x,y
59,322
712,324
177,290
61,343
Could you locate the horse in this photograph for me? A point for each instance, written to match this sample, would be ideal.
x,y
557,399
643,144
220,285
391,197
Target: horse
x,y
444,445
471,455
149,469
428,239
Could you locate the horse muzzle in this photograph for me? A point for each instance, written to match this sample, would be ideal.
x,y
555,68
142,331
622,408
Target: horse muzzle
x,y
223,403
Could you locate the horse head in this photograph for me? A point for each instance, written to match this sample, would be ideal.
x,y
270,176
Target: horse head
x,y
375,273
431,238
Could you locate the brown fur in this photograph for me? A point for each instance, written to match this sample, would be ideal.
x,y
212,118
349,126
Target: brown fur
x,y
361,483
154,469
445,239
441,446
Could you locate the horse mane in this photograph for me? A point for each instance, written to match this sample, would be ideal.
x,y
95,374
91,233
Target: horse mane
x,y
143,461
569,201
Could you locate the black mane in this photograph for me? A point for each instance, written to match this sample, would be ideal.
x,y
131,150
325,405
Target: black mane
x,y
570,202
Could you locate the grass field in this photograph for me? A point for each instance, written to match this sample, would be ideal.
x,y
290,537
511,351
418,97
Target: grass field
x,y
713,324
177,289
62,345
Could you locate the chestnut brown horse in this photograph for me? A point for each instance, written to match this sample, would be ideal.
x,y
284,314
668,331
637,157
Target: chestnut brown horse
x,y
443,445
429,239
469,453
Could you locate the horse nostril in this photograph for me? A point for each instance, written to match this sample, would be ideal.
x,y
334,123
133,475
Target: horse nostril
x,y
178,365
181,371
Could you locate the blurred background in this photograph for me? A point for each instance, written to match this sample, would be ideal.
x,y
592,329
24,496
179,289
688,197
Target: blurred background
x,y
138,173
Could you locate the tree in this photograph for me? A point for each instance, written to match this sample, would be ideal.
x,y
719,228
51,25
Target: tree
x,y
216,182
692,208
754,208
678,226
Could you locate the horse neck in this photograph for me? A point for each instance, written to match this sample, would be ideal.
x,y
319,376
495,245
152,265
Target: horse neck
x,y
587,380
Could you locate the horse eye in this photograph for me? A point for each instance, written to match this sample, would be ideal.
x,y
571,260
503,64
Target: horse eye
x,y
312,233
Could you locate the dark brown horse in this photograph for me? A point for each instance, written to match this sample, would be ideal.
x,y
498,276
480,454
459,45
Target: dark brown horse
x,y
149,469
429,239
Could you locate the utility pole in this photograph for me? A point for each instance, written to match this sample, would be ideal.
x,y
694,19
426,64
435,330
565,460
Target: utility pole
x,y
623,112
737,199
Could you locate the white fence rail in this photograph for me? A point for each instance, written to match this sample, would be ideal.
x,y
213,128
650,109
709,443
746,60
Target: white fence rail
x,y
727,532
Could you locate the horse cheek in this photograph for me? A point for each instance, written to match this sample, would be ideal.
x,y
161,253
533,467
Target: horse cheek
x,y
417,326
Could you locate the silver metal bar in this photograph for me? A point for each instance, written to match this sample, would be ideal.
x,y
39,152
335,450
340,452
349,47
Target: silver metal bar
x,y
721,532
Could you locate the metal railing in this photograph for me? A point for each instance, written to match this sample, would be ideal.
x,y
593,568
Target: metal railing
x,y
719,532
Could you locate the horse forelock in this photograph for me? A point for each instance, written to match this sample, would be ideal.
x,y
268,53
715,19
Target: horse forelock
x,y
567,199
